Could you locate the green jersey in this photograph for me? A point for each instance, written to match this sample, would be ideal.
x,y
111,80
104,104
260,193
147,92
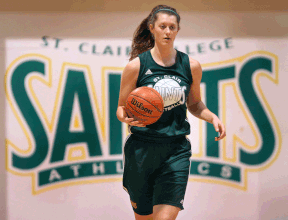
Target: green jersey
x,y
173,83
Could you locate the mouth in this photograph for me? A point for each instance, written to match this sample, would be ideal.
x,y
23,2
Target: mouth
x,y
167,38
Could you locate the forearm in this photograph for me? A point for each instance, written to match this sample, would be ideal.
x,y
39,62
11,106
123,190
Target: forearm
x,y
121,114
200,111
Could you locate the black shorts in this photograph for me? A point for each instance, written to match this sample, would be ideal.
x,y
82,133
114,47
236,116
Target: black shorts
x,y
156,171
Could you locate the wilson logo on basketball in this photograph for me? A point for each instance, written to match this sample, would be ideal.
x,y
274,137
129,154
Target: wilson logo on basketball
x,y
140,106
144,104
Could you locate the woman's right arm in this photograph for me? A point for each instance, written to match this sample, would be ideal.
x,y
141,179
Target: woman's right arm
x,y
128,84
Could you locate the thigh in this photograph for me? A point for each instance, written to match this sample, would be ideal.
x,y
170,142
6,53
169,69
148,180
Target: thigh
x,y
172,178
136,178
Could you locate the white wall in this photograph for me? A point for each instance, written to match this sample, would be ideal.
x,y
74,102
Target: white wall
x,y
122,25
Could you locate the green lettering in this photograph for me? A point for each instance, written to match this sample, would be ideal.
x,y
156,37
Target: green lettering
x,y
214,45
228,43
200,48
115,125
188,50
44,38
81,48
108,49
28,112
94,51
211,78
257,111
75,84
119,51
128,50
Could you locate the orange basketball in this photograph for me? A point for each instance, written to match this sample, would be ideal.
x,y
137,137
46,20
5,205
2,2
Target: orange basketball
x,y
144,104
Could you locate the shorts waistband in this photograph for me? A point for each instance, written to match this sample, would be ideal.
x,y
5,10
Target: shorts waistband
x,y
158,139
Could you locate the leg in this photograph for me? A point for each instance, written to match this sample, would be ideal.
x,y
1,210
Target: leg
x,y
143,217
137,183
171,182
165,212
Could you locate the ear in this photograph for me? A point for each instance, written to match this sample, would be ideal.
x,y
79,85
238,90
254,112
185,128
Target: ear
x,y
151,28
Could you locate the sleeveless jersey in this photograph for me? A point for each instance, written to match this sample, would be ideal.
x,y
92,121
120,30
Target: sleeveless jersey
x,y
173,83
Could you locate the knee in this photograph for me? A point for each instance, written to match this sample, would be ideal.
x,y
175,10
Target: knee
x,y
165,212
164,216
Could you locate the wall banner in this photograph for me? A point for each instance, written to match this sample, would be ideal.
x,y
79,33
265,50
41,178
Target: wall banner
x,y
62,94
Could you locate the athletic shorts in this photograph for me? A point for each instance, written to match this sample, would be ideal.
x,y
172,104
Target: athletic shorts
x,y
156,171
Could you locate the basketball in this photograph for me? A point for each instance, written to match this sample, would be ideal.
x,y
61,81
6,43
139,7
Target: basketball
x,y
144,104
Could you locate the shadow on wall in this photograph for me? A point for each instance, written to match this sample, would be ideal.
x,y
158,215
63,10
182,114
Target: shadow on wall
x,y
120,24
3,173
274,206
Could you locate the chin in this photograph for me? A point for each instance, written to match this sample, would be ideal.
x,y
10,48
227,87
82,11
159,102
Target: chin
x,y
165,42
168,43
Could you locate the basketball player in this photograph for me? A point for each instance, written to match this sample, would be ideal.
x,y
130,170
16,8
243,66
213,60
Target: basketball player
x,y
157,156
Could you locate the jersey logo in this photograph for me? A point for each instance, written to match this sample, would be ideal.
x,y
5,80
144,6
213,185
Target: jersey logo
x,y
169,88
148,72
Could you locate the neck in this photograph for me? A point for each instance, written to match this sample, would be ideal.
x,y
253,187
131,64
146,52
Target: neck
x,y
163,53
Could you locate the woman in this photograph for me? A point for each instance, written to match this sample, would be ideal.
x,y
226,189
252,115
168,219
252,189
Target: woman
x,y
157,156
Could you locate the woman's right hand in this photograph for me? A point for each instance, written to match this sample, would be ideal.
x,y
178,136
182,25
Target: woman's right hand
x,y
123,117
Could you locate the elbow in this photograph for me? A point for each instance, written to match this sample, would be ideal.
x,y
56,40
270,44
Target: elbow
x,y
120,112
192,111
196,108
117,113
192,108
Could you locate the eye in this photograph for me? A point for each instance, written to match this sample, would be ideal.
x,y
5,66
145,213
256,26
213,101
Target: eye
x,y
172,28
162,27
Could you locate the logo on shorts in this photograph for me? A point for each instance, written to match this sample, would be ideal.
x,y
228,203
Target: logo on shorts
x,y
134,205
182,201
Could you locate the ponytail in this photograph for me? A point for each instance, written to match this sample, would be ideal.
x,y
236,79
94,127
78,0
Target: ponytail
x,y
143,39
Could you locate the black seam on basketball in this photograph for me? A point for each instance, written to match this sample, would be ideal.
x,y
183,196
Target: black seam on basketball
x,y
142,114
147,101
157,93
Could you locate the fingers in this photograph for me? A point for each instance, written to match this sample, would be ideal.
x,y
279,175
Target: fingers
x,y
137,123
221,129
130,121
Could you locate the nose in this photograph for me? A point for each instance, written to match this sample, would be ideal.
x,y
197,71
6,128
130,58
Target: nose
x,y
167,30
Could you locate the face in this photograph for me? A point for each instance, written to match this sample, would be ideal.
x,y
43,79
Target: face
x,y
165,29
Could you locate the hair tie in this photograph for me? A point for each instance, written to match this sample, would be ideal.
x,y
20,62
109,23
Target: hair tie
x,y
166,9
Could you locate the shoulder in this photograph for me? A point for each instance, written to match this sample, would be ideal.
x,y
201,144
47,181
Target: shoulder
x,y
131,71
133,65
194,64
196,69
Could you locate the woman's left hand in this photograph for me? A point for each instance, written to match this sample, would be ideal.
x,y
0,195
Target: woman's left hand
x,y
219,127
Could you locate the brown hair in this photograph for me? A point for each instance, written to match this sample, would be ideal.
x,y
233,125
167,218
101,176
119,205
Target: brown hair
x,y
143,39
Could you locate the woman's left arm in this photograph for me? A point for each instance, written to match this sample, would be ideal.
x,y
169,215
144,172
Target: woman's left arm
x,y
196,107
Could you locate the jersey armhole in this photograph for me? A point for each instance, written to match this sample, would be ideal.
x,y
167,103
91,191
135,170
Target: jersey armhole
x,y
142,67
188,68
